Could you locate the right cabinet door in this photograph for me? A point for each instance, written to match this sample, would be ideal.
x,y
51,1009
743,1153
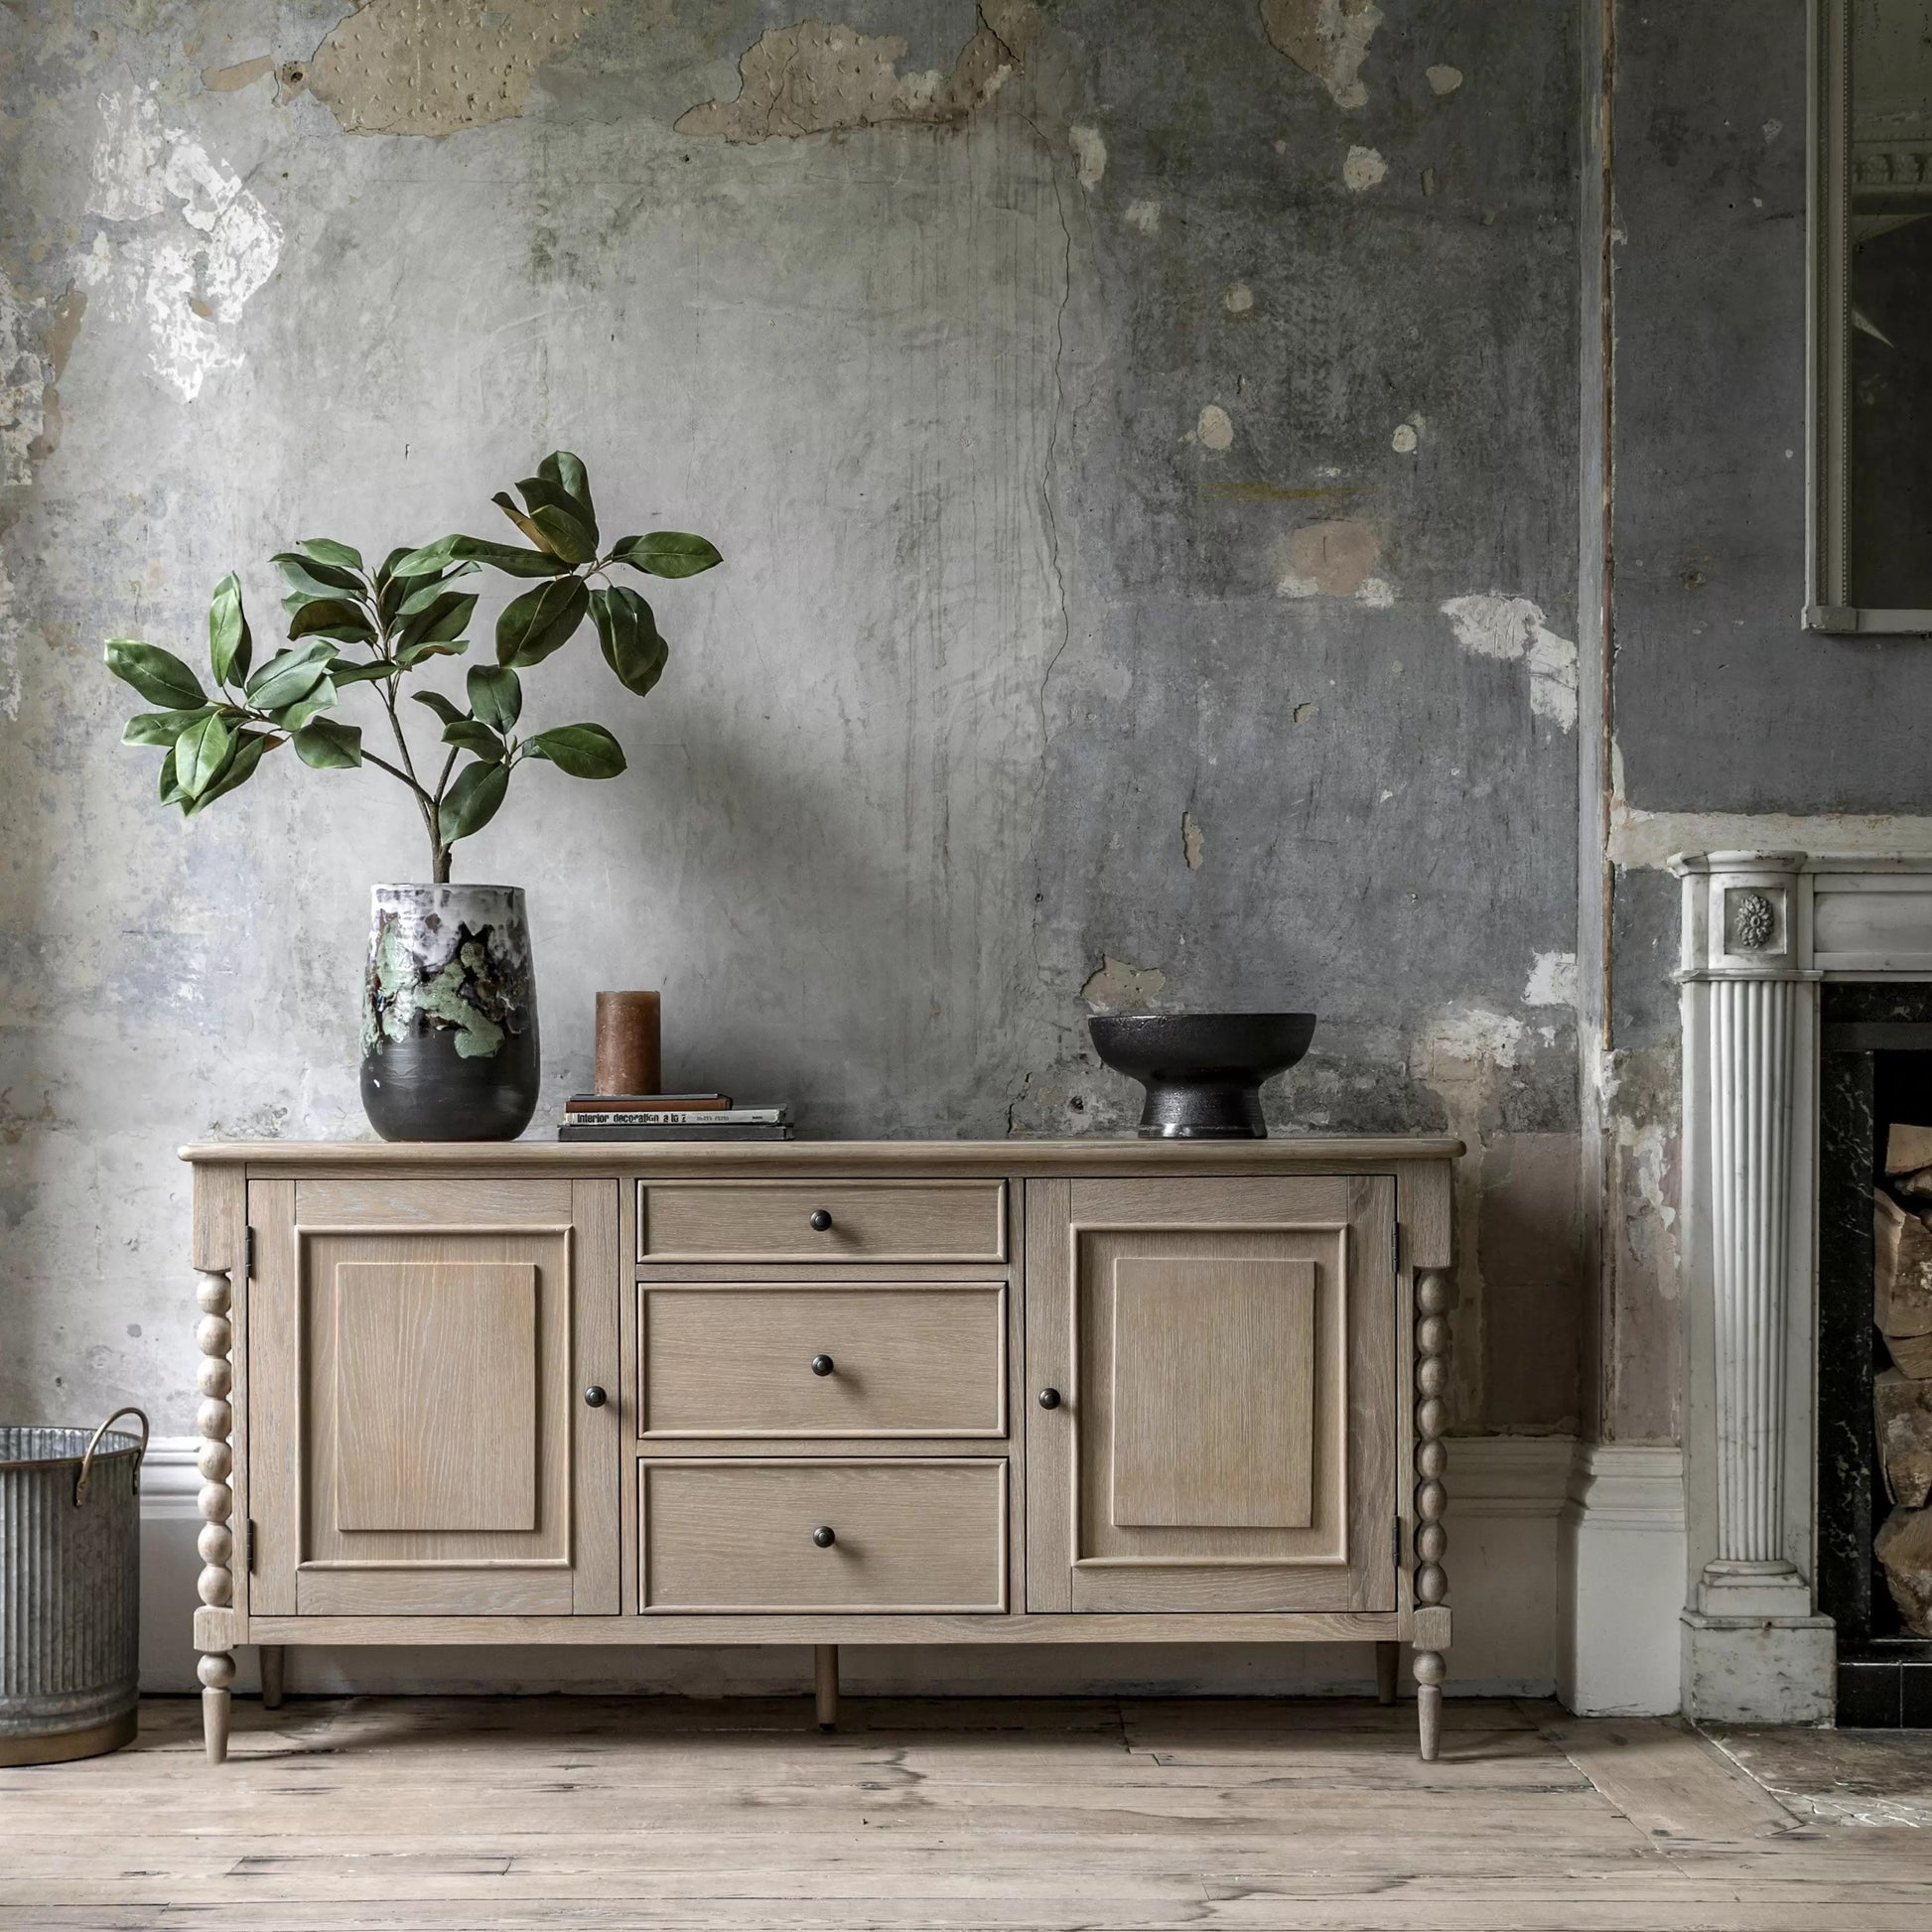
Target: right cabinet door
x,y
1221,1429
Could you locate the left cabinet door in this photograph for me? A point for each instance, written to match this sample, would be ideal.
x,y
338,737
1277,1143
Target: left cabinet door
x,y
418,1438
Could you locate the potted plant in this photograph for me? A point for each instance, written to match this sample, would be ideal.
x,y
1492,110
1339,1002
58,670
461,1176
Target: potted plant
x,y
449,998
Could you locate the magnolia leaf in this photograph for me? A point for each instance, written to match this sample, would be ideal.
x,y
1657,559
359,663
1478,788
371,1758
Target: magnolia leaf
x,y
326,550
525,522
229,645
439,704
667,553
249,749
628,632
564,534
583,751
292,716
363,673
159,675
386,568
495,695
161,727
425,590
505,557
289,675
441,620
568,473
201,753
471,804
477,737
540,622
331,617
315,578
411,655
328,744
171,791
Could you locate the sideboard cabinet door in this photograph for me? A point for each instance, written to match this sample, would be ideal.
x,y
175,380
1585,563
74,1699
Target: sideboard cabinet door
x,y
418,1442
1221,1419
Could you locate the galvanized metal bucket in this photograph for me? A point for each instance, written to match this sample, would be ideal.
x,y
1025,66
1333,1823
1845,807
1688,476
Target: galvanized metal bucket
x,y
70,1589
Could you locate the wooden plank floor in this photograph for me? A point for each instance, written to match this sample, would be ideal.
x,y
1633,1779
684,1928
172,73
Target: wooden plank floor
x,y
585,1813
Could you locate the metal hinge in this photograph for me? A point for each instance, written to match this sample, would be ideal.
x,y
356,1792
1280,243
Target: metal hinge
x,y
249,1257
251,1546
1395,1541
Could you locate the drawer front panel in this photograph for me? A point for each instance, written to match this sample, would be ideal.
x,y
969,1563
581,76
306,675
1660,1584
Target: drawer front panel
x,y
822,1220
912,1534
846,1359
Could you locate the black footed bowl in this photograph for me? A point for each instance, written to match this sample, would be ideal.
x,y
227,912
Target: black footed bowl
x,y
1202,1070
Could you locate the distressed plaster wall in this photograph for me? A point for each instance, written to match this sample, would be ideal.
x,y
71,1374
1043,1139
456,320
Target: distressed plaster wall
x,y
1143,442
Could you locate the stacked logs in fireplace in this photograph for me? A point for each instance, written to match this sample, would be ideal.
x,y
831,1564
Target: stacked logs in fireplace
x,y
1901,1395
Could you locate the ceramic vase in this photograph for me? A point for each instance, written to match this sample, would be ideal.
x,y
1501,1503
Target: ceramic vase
x,y
449,1013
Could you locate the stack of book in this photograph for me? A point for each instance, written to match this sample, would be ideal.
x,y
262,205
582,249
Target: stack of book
x,y
670,1117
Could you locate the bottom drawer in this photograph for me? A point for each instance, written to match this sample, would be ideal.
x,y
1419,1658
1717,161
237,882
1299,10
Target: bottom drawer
x,y
905,1533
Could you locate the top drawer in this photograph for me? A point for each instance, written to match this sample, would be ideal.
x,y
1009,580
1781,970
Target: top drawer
x,y
822,1220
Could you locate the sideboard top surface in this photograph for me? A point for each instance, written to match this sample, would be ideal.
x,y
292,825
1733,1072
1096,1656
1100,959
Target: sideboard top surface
x,y
1287,1153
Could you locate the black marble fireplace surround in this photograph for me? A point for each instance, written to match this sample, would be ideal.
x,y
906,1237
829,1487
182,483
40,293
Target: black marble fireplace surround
x,y
1875,1069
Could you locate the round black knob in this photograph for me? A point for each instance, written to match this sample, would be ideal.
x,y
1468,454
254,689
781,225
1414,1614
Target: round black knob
x,y
822,1365
1050,1398
594,1396
821,1219
824,1536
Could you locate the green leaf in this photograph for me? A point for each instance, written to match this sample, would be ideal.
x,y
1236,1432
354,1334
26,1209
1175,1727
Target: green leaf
x,y
159,675
667,553
442,620
326,550
229,645
292,716
411,655
564,533
471,804
386,568
629,635
171,791
523,520
331,617
583,751
290,674
478,737
568,473
505,557
313,578
249,749
327,745
495,695
439,704
161,727
344,673
201,753
424,591
540,622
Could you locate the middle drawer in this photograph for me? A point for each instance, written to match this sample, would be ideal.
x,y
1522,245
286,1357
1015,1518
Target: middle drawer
x,y
831,1359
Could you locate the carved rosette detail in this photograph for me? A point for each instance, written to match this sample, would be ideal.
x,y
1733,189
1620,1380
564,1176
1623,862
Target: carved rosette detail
x,y
1754,921
214,1423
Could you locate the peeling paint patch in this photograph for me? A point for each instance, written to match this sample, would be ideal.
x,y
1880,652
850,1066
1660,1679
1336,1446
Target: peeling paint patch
x,y
1239,299
1406,436
1332,559
1117,984
1215,428
193,244
1327,39
1494,625
1456,1043
1304,711
25,379
228,81
1089,155
9,649
819,78
1363,169
1143,216
1443,80
1552,981
437,66
1194,843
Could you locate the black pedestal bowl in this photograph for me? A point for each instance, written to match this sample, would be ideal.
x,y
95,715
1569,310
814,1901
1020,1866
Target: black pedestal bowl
x,y
1202,1070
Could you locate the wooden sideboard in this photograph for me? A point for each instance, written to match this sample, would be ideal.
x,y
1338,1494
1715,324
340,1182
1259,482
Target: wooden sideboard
x,y
823,1393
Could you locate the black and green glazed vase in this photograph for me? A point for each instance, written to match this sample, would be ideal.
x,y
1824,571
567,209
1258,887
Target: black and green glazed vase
x,y
449,1015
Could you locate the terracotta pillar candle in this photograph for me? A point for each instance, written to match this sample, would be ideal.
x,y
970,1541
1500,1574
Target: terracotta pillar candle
x,y
628,1045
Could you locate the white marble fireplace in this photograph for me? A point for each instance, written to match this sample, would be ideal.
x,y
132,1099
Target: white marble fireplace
x,y
1761,932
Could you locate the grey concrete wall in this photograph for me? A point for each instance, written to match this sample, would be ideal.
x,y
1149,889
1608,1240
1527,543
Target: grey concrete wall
x,y
1145,455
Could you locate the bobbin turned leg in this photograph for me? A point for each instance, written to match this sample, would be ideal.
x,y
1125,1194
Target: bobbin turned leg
x,y
271,1667
825,1684
213,1421
1388,1658
1431,1581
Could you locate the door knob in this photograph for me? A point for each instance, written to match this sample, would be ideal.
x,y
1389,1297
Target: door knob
x,y
824,1536
821,1219
594,1396
822,1365
1050,1398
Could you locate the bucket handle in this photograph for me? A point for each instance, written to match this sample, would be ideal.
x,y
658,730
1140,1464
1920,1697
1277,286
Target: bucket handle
x,y
88,1461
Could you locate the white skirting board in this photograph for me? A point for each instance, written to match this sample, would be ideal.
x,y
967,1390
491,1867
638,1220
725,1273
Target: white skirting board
x,y
1508,1499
